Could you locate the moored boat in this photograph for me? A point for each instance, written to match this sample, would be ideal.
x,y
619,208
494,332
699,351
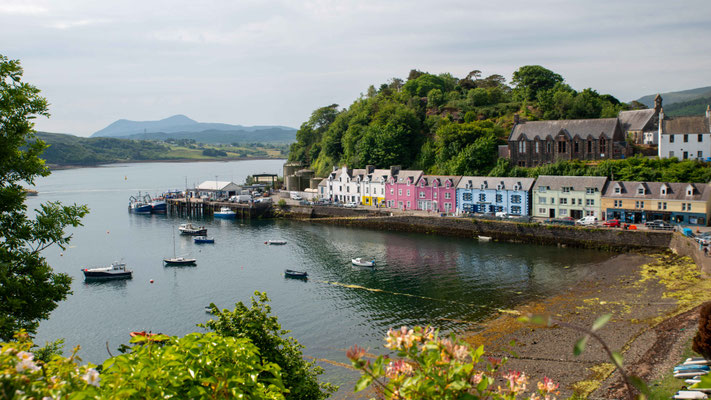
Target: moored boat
x,y
189,229
360,262
159,206
178,261
275,242
117,270
484,238
290,273
226,213
203,239
137,206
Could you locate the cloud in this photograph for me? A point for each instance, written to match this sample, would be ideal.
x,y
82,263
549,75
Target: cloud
x,y
22,9
68,24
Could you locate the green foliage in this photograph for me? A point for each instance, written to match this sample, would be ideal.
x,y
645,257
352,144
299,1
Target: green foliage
x,y
29,289
214,153
465,149
68,149
531,79
688,108
423,84
256,324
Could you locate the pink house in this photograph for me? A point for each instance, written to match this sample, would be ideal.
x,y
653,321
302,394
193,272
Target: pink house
x,y
400,190
437,193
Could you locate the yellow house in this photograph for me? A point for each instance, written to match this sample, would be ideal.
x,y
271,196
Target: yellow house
x,y
639,202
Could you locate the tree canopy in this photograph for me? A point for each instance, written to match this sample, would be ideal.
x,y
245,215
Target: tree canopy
x,y
29,289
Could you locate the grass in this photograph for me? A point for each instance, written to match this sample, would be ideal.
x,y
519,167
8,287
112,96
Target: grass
x,y
180,152
667,386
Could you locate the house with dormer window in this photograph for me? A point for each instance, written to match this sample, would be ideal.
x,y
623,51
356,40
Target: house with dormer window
x,y
437,193
372,186
486,194
568,196
639,202
400,189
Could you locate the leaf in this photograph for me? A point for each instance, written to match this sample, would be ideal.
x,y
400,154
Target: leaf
x,y
601,321
363,382
617,358
580,346
640,385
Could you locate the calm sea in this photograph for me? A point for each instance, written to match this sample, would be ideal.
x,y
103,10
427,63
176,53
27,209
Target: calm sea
x,y
447,282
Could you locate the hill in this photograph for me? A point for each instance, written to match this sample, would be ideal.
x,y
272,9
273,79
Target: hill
x,y
182,127
687,108
676,97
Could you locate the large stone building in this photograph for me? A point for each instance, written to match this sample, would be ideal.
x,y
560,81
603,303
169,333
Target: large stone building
x,y
641,126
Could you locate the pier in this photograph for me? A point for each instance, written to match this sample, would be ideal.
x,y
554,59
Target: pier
x,y
193,207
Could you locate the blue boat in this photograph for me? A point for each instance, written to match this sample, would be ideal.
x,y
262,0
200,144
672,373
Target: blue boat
x,y
225,213
159,206
203,239
138,206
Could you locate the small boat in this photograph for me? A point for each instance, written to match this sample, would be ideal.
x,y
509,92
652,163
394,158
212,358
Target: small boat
x,y
275,242
189,229
484,238
178,261
290,273
208,309
689,374
225,213
696,361
31,192
691,367
137,205
159,206
203,239
117,270
359,262
690,395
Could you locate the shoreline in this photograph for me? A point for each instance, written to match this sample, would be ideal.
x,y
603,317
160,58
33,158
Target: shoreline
x,y
60,167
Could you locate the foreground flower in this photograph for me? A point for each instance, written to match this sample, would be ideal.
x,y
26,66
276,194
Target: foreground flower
x,y
26,365
397,368
516,382
548,386
91,377
401,339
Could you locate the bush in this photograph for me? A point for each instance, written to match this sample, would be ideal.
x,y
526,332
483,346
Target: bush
x,y
702,340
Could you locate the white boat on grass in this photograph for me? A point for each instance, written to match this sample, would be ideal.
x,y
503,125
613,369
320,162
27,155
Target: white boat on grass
x,y
360,262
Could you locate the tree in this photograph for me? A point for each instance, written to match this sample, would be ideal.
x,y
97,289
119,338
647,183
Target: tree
x,y
530,79
29,289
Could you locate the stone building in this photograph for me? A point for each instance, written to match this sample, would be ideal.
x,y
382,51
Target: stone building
x,y
641,126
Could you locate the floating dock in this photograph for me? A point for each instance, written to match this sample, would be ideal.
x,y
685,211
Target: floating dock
x,y
204,208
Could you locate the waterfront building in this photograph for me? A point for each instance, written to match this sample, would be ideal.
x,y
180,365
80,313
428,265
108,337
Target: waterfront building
x,y
372,186
216,189
335,186
485,194
641,126
437,193
532,143
568,196
639,202
400,190
686,137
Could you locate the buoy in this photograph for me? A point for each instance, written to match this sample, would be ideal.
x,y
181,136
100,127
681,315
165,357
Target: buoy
x,y
107,232
61,254
151,281
265,242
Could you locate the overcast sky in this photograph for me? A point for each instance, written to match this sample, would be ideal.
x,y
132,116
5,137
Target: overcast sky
x,y
261,62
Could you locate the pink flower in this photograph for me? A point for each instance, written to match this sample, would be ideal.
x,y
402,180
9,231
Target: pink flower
x,y
547,386
397,368
516,381
355,352
477,378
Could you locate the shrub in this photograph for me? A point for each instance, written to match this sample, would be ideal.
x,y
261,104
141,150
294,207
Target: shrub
x,y
702,340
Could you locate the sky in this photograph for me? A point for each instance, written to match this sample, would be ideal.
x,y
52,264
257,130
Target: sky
x,y
263,62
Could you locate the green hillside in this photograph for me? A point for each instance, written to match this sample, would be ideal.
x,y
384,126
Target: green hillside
x,y
676,97
440,123
686,108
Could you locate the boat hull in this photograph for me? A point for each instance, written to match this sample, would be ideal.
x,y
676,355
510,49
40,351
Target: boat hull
x,y
193,232
203,240
177,263
289,273
159,207
140,208
360,263
104,276
222,215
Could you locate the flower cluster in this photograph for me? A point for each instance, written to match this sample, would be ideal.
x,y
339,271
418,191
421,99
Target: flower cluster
x,y
516,382
546,389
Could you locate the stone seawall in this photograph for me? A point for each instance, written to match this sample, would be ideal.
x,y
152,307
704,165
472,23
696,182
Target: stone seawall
x,y
687,247
327,212
574,236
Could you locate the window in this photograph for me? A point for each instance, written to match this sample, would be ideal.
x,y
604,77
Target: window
x,y
662,205
589,202
382,191
562,147
671,153
590,190
466,196
589,146
499,198
685,206
408,192
399,192
589,213
392,191
447,206
618,190
552,200
422,195
686,155
522,146
566,189
408,204
638,204
602,144
686,138
564,200
701,138
541,210
434,194
563,211
538,143
516,199
671,138
348,189
541,189
577,147
448,195
640,191
515,210
482,197
367,189
700,154
542,200
549,147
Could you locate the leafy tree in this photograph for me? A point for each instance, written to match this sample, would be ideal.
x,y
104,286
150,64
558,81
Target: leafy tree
x,y
29,289
300,377
531,79
422,85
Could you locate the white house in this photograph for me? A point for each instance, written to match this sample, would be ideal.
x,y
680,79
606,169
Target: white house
x,y
686,137
372,185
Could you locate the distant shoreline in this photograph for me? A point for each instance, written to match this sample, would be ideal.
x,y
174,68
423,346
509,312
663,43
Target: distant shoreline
x,y
59,167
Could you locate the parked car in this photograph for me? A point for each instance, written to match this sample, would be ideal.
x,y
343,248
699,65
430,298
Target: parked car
x,y
295,196
501,214
263,200
659,225
612,223
654,222
350,205
589,220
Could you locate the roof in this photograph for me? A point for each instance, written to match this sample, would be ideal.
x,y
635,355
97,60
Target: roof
x,y
323,182
428,179
578,183
653,190
635,120
215,185
583,128
696,124
493,181
378,173
405,173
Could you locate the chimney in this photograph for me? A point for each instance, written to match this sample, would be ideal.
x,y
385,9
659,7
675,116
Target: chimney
x,y
516,119
369,169
658,103
708,113
394,170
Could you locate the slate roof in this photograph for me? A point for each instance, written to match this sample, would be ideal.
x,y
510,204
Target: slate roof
x,y
653,190
323,182
696,124
635,120
493,181
580,127
428,179
402,176
578,183
378,173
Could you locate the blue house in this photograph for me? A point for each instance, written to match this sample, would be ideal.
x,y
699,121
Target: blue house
x,y
486,194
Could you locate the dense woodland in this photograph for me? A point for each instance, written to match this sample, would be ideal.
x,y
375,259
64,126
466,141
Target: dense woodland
x,y
447,125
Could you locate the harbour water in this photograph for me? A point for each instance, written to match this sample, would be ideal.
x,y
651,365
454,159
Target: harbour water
x,y
446,282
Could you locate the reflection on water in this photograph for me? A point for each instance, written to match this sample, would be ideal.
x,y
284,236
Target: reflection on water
x,y
448,282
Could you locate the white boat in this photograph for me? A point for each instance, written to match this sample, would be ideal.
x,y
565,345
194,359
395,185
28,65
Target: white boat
x,y
275,242
360,262
484,238
690,395
226,213
189,229
696,361
116,270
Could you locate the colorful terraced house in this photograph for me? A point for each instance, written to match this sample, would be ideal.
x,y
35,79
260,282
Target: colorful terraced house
x,y
437,193
400,190
486,194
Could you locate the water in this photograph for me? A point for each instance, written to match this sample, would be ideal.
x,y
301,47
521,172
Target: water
x,y
447,282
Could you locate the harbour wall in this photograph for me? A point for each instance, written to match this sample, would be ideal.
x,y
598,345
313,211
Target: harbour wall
x,y
687,247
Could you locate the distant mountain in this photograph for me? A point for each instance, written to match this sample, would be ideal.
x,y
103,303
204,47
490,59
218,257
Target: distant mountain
x,y
688,108
676,97
182,127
